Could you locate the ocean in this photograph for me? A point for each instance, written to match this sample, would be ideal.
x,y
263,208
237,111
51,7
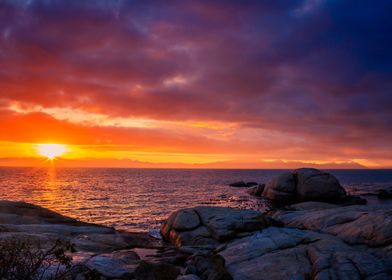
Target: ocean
x,y
139,200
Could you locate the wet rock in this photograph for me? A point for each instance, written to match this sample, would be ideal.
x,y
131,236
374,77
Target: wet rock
x,y
305,184
156,271
256,190
216,225
288,253
385,193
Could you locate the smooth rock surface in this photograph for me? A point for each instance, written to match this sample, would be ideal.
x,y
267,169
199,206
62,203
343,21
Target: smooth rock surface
x,y
305,184
308,240
281,188
313,184
288,253
187,219
357,224
216,225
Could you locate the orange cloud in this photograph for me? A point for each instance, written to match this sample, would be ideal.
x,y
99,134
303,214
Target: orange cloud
x,y
221,83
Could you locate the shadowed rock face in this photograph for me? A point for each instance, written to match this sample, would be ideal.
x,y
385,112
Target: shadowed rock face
x,y
152,271
208,225
304,184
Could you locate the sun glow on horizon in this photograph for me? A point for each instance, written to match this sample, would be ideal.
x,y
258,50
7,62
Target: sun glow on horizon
x,y
51,151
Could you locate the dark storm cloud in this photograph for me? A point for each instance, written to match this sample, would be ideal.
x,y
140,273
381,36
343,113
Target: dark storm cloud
x,y
320,69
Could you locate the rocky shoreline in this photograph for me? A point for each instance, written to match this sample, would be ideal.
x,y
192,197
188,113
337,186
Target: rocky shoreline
x,y
317,232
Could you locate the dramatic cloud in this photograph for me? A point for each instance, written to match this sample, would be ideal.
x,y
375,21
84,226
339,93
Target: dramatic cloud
x,y
243,80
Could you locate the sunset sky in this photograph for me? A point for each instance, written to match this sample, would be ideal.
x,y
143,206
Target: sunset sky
x,y
238,84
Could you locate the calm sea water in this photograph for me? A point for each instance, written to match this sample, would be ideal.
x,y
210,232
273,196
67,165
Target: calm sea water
x,y
140,199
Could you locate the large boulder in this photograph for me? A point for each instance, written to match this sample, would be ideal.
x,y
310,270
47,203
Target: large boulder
x,y
209,225
288,253
305,184
281,188
313,184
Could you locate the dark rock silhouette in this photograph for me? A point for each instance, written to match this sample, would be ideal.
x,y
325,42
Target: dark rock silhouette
x,y
305,184
385,193
242,184
256,190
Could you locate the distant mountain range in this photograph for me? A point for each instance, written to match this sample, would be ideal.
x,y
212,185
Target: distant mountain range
x,y
125,163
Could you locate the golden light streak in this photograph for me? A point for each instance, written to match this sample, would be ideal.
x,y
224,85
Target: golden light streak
x,y
51,151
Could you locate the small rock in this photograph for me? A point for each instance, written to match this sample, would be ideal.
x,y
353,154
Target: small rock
x,y
385,194
190,269
256,190
354,200
240,184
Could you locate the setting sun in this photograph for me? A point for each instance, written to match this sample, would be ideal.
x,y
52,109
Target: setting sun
x,y
51,151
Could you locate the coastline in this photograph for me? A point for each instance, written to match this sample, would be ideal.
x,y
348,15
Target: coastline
x,y
245,254
138,200
303,239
